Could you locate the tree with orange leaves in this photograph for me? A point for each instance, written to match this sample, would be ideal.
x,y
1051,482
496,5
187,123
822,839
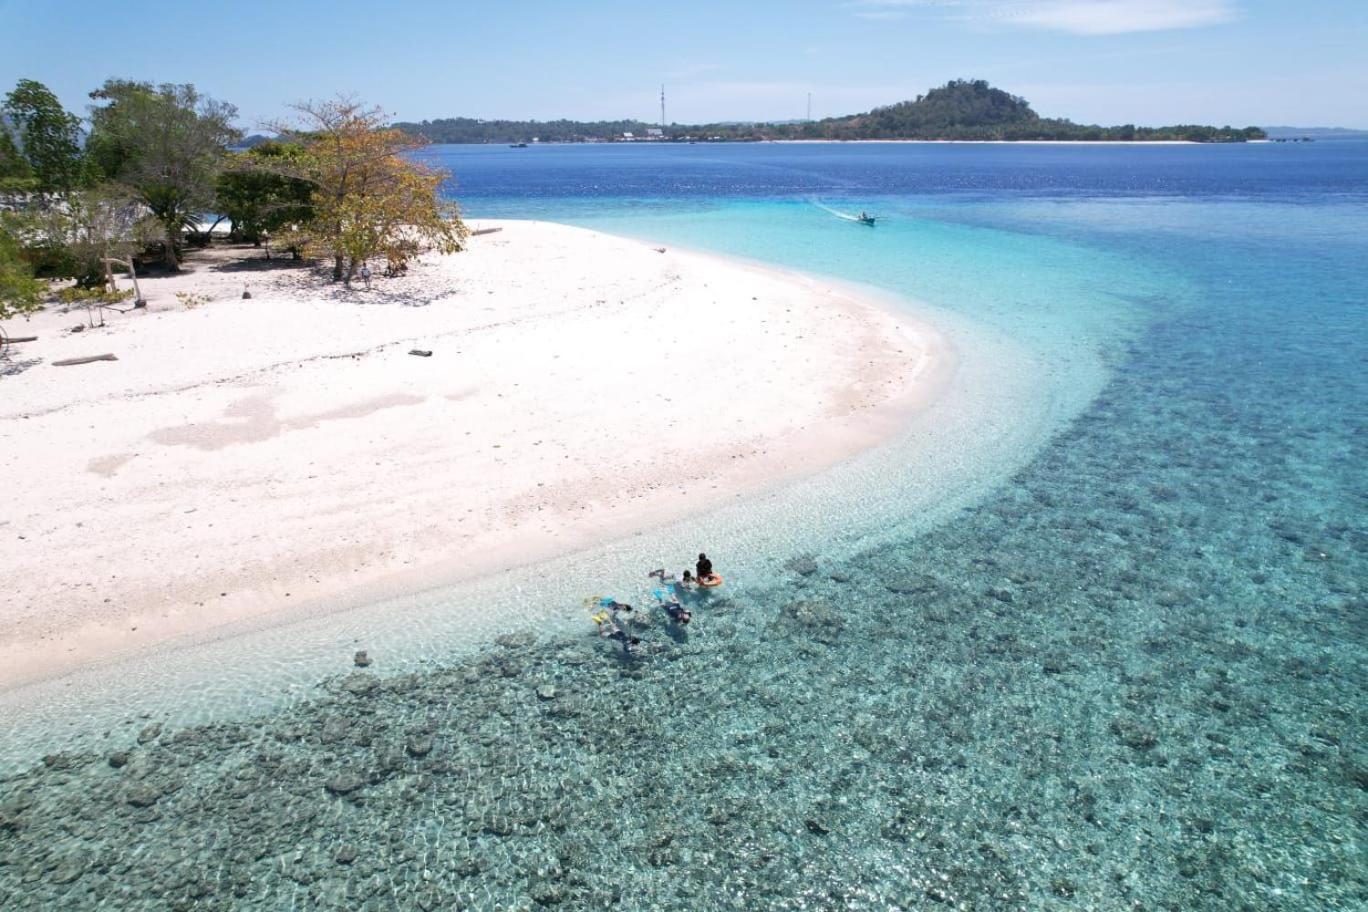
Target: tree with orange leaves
x,y
369,197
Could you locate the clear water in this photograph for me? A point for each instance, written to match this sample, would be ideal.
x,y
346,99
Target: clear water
x,y
1101,647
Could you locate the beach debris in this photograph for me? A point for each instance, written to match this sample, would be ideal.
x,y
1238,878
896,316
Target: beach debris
x,y
246,295
15,340
658,249
86,360
479,231
79,327
421,352
361,659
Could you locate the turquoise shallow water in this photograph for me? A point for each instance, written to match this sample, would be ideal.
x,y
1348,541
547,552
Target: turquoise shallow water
x,y
1127,674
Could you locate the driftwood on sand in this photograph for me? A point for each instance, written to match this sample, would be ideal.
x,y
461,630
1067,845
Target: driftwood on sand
x,y
16,339
86,360
479,231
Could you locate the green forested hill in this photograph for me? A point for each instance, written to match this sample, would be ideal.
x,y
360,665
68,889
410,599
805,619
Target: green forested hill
x,y
960,109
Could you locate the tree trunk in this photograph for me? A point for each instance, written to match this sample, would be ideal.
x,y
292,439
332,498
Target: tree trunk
x,y
169,258
338,266
205,238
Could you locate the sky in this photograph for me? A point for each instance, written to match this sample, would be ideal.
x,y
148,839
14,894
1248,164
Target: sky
x,y
1148,62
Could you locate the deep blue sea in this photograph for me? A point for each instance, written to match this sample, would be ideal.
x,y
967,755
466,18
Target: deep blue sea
x,y
1102,645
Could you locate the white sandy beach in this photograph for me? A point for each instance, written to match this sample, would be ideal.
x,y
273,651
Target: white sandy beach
x,y
246,456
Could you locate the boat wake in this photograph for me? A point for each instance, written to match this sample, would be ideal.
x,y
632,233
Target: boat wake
x,y
836,212
863,218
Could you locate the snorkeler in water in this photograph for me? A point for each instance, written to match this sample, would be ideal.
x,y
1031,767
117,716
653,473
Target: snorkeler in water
x,y
629,642
682,584
608,628
677,612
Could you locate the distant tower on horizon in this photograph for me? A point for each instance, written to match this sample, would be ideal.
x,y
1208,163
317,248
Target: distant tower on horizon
x,y
662,106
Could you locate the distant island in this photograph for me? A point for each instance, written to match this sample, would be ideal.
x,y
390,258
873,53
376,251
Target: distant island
x,y
1311,134
965,110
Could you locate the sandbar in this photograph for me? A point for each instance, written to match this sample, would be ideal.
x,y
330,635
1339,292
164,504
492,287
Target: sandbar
x,y
243,456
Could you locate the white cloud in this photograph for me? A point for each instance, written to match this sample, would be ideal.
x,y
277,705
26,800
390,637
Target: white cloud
x,y
1115,17
1077,17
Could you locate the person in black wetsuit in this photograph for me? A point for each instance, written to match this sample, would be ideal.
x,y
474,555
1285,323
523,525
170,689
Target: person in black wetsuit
x,y
629,642
609,629
703,569
677,612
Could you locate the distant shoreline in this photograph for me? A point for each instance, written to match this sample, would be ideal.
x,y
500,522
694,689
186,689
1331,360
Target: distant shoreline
x,y
962,110
852,142
1014,142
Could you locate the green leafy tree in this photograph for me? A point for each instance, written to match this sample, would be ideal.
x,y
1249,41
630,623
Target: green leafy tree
x,y
167,143
259,191
49,138
20,292
74,240
15,173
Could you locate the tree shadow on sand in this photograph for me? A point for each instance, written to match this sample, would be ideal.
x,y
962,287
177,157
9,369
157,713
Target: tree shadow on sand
x,y
418,288
10,367
261,264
